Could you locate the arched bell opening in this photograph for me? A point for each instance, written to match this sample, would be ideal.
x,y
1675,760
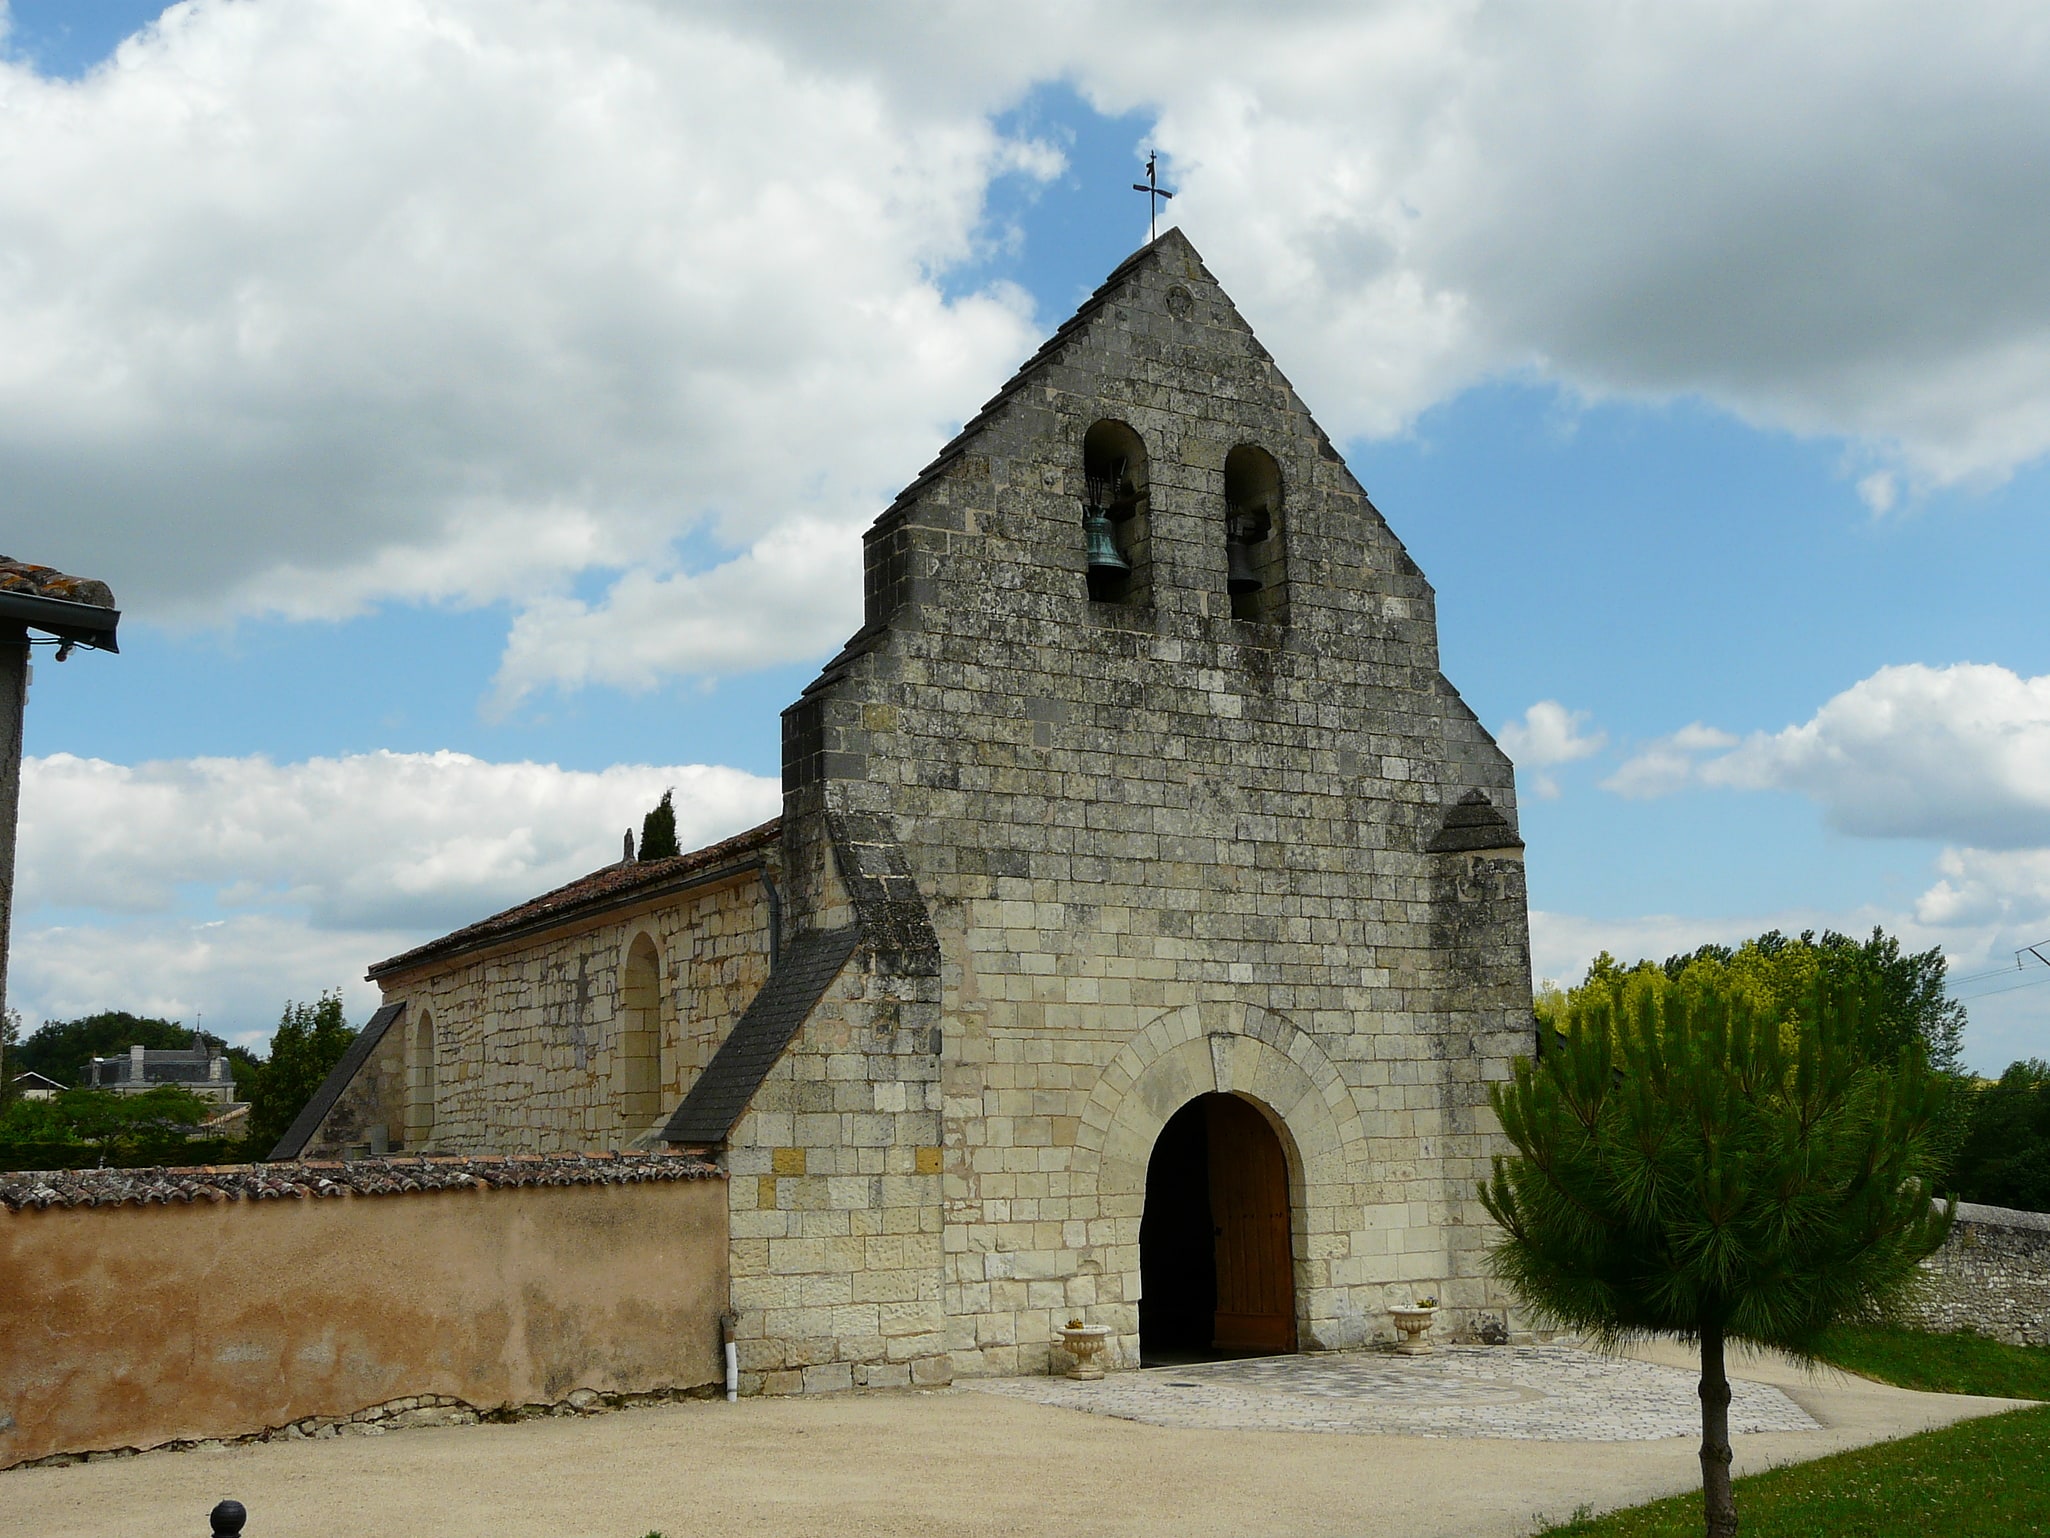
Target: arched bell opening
x,y
423,1088
640,1038
1255,546
1216,1258
1116,529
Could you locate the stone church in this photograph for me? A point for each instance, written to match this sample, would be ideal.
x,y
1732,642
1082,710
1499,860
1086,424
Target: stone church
x,y
1143,925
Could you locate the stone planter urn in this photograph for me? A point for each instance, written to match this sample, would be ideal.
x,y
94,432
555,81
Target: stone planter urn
x,y
1414,1325
1085,1342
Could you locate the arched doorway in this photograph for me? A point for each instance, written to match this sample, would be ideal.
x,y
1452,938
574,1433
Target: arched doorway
x,y
1217,1273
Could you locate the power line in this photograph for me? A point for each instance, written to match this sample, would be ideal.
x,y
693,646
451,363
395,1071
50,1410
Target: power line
x,y
2035,950
1988,993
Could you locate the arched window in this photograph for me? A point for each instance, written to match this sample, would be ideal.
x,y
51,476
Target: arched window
x,y
1115,526
1256,550
640,1038
422,1084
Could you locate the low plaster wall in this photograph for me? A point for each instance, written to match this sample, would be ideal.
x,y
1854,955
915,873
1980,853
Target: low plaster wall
x,y
211,1313
1992,1276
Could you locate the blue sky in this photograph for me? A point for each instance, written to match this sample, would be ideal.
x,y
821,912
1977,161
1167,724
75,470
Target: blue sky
x,y
1754,457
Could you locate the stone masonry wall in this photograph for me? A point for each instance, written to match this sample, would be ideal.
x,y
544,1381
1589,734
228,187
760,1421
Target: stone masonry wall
x,y
1168,852
835,1168
1992,1276
527,1036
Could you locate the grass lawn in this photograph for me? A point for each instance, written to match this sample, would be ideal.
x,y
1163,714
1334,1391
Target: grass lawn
x,y
1985,1478
1941,1364
1978,1479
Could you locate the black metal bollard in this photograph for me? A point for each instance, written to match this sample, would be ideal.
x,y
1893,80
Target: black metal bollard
x,y
227,1519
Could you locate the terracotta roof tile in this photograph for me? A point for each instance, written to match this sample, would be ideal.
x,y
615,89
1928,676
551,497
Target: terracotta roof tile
x,y
599,890
41,1189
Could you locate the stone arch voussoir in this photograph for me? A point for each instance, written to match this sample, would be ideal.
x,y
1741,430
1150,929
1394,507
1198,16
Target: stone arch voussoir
x,y
1239,1049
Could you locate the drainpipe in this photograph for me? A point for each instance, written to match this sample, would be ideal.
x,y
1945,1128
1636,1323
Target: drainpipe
x,y
728,1323
13,697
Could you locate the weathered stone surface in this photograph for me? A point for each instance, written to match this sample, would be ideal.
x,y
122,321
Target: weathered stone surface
x,y
1992,1276
1102,857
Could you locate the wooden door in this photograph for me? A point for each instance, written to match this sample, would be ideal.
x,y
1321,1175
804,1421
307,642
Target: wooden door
x,y
1249,1210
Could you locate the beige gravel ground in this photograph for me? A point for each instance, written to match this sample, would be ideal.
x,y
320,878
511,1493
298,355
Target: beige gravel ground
x,y
941,1463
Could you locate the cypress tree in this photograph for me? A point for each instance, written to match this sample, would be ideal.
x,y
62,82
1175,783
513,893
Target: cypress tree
x,y
658,830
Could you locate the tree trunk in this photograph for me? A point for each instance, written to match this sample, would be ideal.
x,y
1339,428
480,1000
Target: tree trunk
x,y
1719,1506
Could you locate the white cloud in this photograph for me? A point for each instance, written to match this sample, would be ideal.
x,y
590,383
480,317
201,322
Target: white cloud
x,y
1879,491
203,883
310,306
1548,735
1960,753
1666,764
788,598
233,975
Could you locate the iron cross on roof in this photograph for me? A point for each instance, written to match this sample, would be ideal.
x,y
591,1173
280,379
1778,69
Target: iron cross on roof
x,y
1154,193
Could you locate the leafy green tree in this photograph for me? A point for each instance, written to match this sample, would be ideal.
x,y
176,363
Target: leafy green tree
x,y
2005,1157
1692,1166
658,830
309,1041
1904,991
1904,1005
98,1126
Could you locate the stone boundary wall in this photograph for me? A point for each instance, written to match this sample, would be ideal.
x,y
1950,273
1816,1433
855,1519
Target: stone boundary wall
x,y
1992,1276
146,1308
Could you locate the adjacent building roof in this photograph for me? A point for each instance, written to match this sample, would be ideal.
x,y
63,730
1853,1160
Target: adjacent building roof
x,y
165,1065
78,609
616,886
396,1176
1473,823
722,1093
308,1121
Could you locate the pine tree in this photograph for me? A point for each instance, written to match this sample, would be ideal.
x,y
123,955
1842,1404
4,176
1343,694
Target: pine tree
x,y
1703,1167
658,830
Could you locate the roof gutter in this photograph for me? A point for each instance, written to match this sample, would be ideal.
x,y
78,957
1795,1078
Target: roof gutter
x,y
81,624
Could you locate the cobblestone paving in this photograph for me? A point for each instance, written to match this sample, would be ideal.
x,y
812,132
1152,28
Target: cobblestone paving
x,y
1533,1393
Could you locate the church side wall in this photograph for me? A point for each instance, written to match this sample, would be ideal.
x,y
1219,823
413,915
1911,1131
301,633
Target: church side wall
x,y
1168,852
527,1040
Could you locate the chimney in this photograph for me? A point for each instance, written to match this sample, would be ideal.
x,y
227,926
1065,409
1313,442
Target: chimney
x,y
135,1061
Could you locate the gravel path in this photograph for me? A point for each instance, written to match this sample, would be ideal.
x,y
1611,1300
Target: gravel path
x,y
960,1463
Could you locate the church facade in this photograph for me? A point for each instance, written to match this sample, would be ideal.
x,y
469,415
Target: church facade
x,y
1143,926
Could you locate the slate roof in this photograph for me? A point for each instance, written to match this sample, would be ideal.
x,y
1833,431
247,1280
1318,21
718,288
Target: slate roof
x,y
722,1092
315,1110
1473,823
616,886
41,1189
161,1065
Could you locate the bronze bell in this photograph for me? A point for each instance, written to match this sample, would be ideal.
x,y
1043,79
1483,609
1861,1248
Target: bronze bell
x,y
1104,555
1239,576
